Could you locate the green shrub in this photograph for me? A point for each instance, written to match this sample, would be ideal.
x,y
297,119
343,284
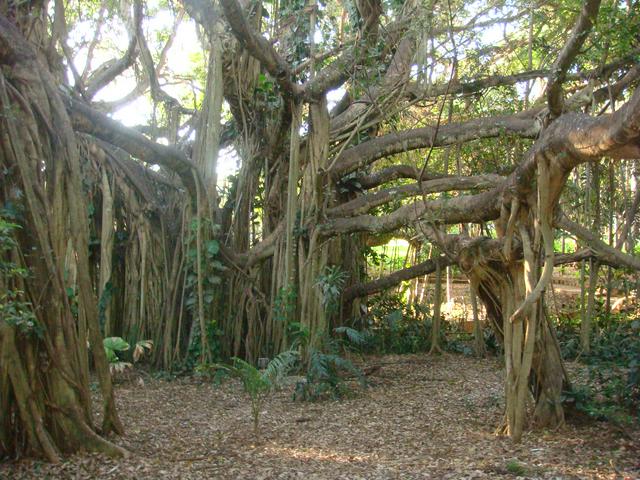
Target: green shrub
x,y
325,377
114,347
612,391
259,384
516,468
392,326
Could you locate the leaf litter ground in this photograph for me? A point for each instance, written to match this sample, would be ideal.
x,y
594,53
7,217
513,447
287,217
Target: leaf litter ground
x,y
422,417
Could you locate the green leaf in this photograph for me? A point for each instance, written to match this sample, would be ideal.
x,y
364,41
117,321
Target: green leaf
x,y
111,355
279,366
213,247
218,265
394,317
117,344
354,336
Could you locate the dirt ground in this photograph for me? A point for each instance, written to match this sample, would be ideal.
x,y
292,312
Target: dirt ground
x,y
422,417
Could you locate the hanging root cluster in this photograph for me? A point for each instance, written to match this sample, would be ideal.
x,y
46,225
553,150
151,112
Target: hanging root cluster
x,y
510,275
45,403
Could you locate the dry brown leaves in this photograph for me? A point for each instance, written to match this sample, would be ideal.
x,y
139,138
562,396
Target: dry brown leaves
x,y
423,417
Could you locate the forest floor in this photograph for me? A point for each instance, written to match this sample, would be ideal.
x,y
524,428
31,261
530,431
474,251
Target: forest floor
x,y
422,417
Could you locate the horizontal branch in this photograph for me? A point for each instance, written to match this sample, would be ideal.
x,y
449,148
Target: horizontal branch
x,y
364,203
87,120
464,209
604,252
586,254
259,252
394,172
368,152
394,279
570,140
457,87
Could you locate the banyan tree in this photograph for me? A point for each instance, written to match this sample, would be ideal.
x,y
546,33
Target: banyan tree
x,y
455,124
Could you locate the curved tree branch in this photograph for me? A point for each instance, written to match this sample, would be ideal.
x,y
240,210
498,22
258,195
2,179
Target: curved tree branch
x,y
394,172
524,125
464,209
364,203
259,47
570,140
602,251
567,55
109,70
87,120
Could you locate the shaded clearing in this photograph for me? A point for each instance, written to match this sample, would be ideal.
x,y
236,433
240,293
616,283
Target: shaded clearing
x,y
422,417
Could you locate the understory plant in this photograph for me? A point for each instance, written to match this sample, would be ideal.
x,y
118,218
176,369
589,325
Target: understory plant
x,y
393,326
325,367
259,384
331,283
610,390
326,370
326,377
114,348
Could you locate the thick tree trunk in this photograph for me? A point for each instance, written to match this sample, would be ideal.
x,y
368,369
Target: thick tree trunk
x,y
532,357
43,380
532,360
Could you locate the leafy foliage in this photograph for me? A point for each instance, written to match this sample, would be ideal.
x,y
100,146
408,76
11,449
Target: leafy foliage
x,y
355,337
325,377
194,351
114,345
612,389
140,348
331,283
394,327
284,305
210,264
516,468
211,269
14,309
259,384
326,369
111,346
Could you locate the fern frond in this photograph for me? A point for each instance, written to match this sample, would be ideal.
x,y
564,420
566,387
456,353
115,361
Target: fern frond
x,y
279,366
318,366
354,336
339,363
248,374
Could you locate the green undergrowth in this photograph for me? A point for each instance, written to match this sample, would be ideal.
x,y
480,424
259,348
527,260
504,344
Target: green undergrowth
x,y
608,386
391,326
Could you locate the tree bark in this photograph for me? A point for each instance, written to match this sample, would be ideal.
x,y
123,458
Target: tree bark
x,y
437,320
